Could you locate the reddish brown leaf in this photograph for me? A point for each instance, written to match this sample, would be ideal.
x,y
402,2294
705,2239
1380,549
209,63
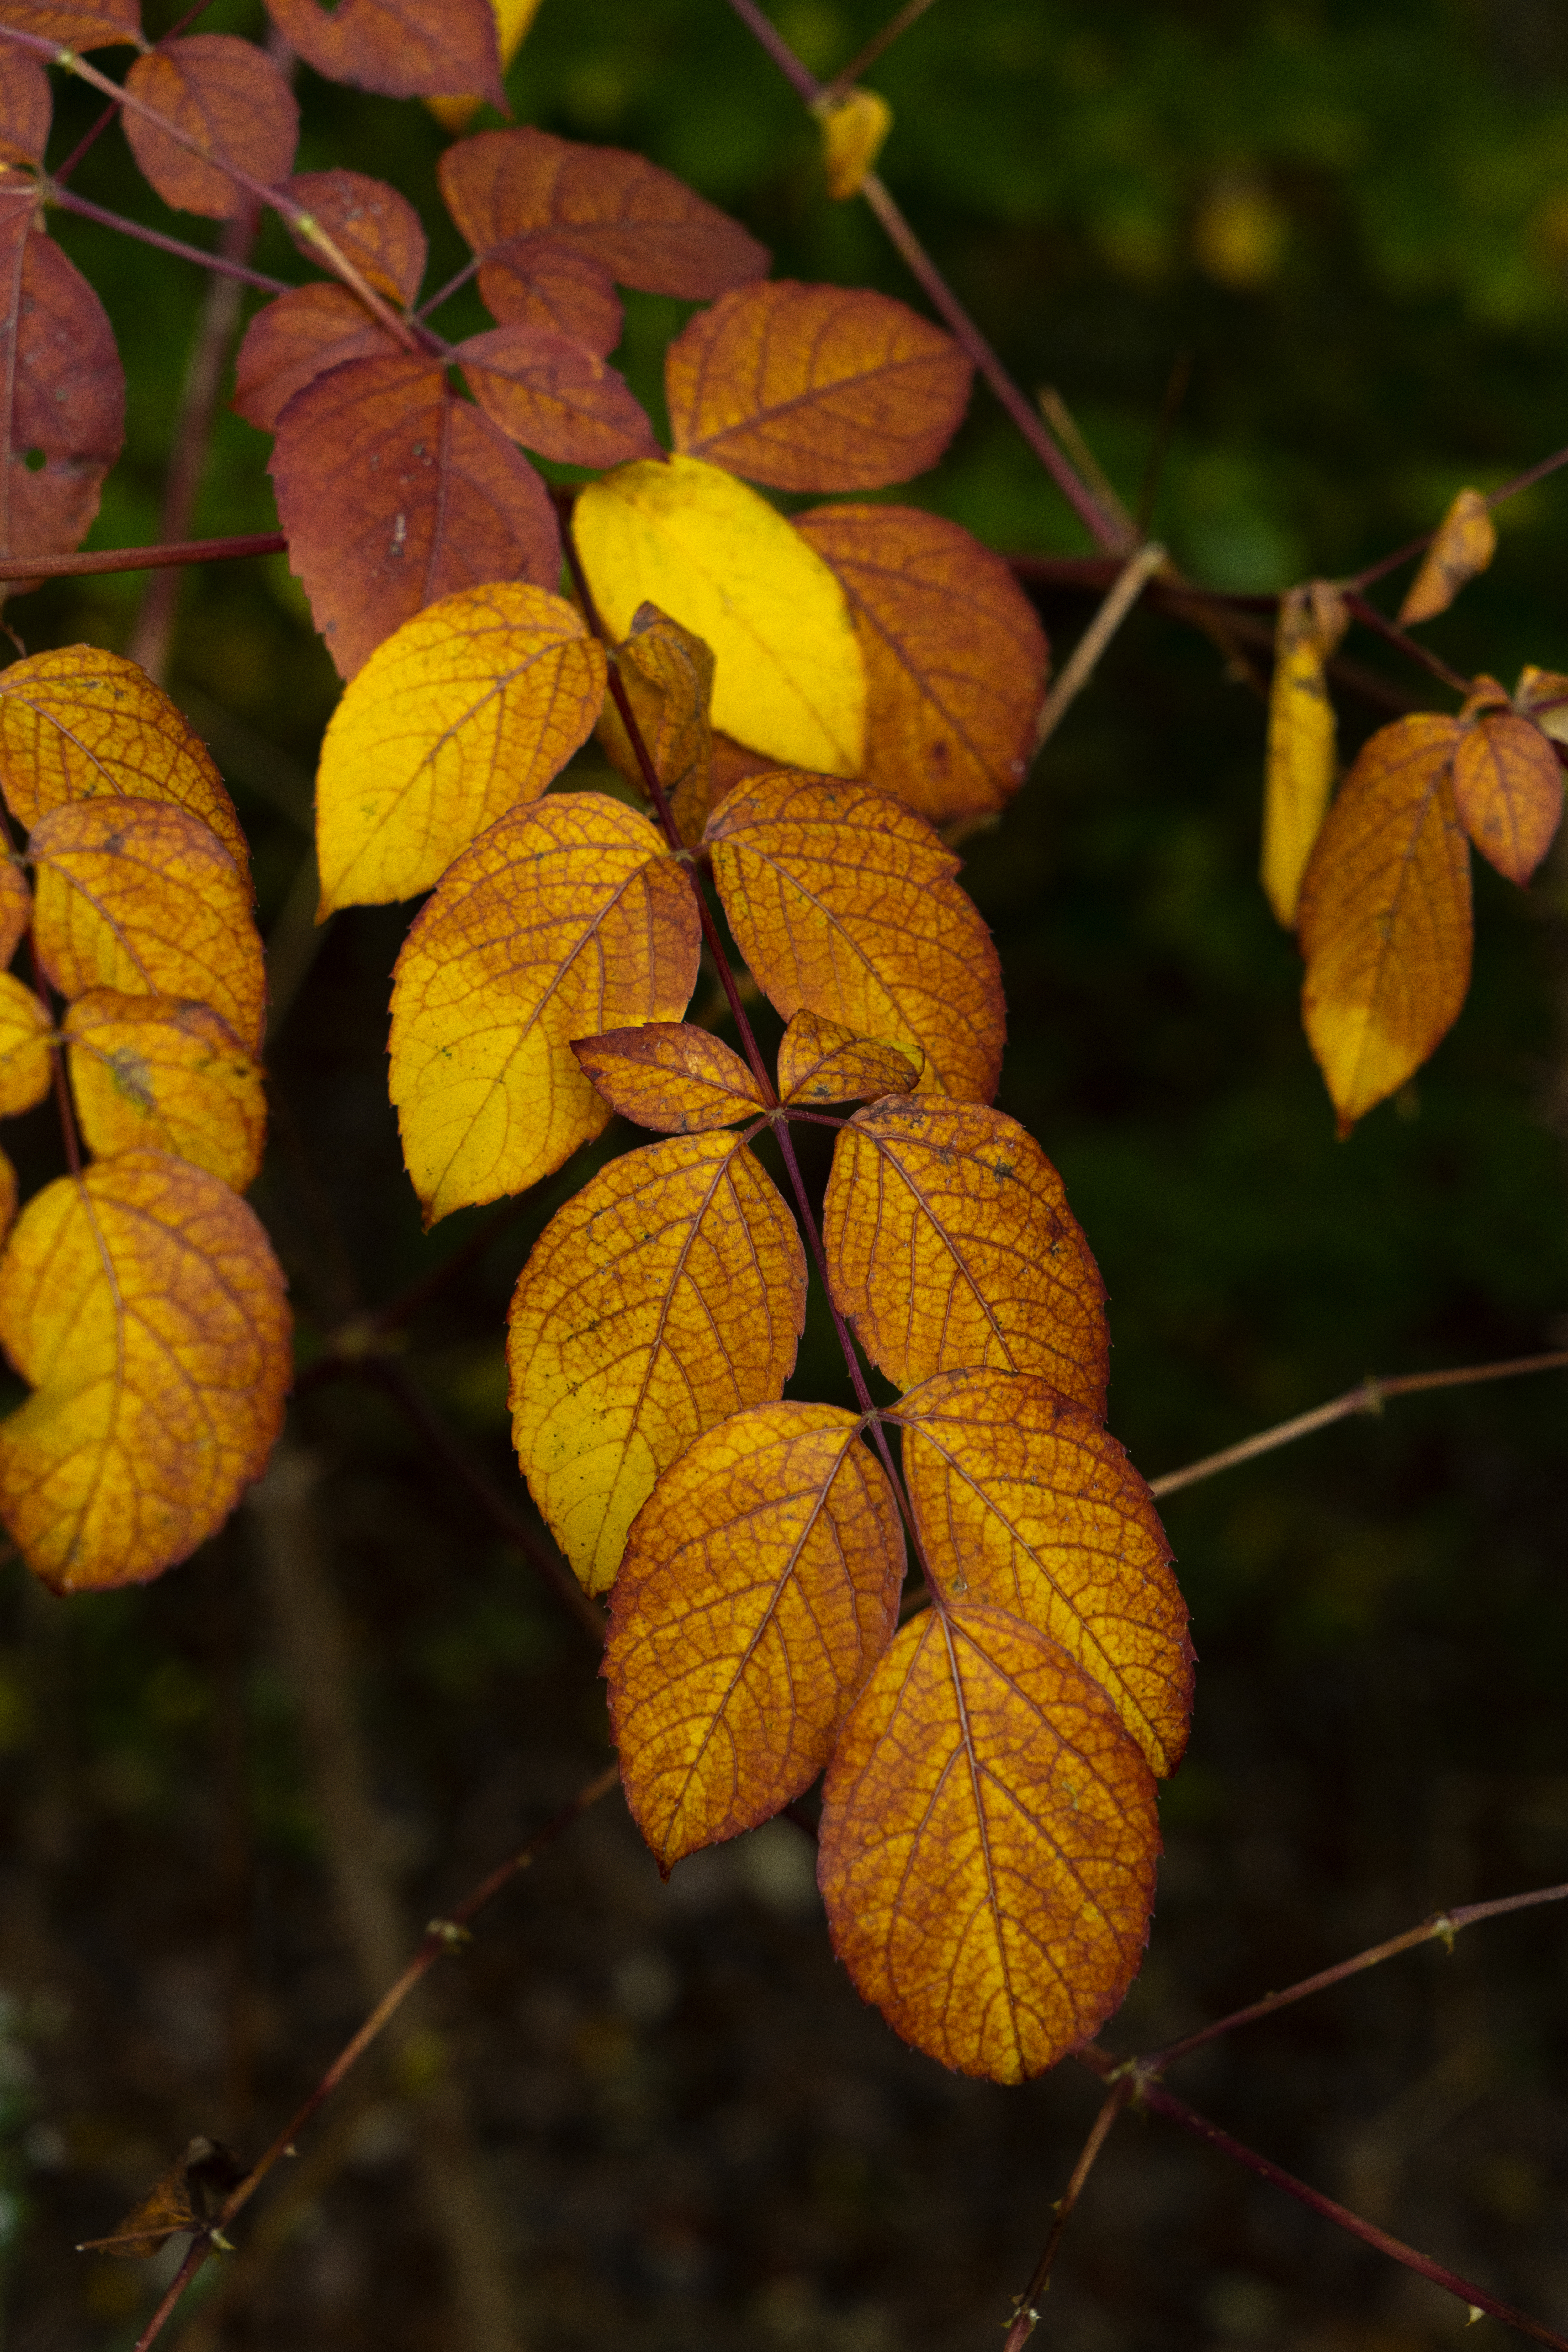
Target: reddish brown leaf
x,y
815,387
537,281
187,2198
643,227
296,339
100,25
401,49
371,224
1508,786
394,493
64,387
556,397
25,107
228,96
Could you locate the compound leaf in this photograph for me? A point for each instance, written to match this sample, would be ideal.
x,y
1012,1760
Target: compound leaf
x,y
1299,767
16,902
27,107
822,1062
161,1074
64,390
1508,787
537,281
1463,544
228,97
760,1585
371,224
552,394
401,49
294,339
670,1075
27,1064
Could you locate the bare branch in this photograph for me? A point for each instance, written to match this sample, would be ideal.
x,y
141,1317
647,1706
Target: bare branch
x,y
66,200
877,46
141,558
1128,587
1027,2317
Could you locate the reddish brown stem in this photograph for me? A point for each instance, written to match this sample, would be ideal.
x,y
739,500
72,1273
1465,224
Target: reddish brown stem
x,y
1371,618
65,199
1027,2317
141,558
444,293
876,47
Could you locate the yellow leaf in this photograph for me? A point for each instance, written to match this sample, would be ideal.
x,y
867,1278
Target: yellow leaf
x,y
843,902
1464,544
469,708
8,1195
668,1294
822,1062
142,896
788,677
1300,773
160,1074
671,1075
143,1303
568,917
667,675
26,1065
949,1243
15,904
760,1586
513,18
854,127
989,1836
1542,695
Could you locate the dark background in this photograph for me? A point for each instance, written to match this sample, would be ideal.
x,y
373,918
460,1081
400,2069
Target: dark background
x,y
1350,222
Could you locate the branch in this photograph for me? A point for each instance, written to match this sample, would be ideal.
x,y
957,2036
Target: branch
x,y
1525,481
1029,2312
876,47
1124,593
67,201
1371,618
141,558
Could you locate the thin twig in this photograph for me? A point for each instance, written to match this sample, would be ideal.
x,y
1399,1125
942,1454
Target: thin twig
x,y
1525,481
1129,586
1371,618
444,293
66,200
142,559
877,46
1027,2317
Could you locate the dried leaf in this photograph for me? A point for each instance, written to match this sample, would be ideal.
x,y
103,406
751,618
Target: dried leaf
x,y
643,227
143,1302
822,1062
27,1064
949,1243
513,18
955,659
161,1074
64,391
466,710
187,2198
1300,770
669,1075
298,337
555,396
371,224
101,24
989,1836
759,1587
141,897
789,681
27,109
1542,695
228,97
667,675
537,281
394,493
668,1295
1463,544
80,724
854,129
568,917
843,902
1385,916
401,49
815,387
1507,788
16,898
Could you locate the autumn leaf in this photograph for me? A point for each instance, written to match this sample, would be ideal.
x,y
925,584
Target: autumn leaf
x,y
949,1243
760,1585
513,18
854,126
670,1075
789,681
294,339
187,2198
143,1303
101,24
822,1062
16,901
27,107
815,387
466,710
26,1065
551,394
139,896
1299,772
668,1295
80,724
394,493
64,391
371,224
228,97
161,1073
643,227
400,48
667,675
567,916
1385,916
955,659
536,281
989,1836
1507,788
1463,544
1541,695
9,1194
843,902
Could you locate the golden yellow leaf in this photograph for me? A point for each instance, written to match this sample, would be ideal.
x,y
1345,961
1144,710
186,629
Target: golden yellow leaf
x,y
789,681
843,902
568,917
671,1075
469,708
161,1074
8,1193
513,18
143,1303
989,1835
1542,695
142,896
668,1295
1464,544
949,1243
1385,916
16,905
760,1586
79,724
27,1064
1299,772
1508,787
822,1062
667,675
854,127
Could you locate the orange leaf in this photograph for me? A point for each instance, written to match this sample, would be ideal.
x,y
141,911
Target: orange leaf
x,y
401,49
668,673
27,107
26,1065
643,227
842,901
822,1061
669,1075
16,898
1508,787
668,1295
141,897
853,127
537,281
567,916
161,1074
143,1302
1463,544
188,2198
1300,769
949,1243
229,97
8,1196
298,337
371,224
80,725
64,391
1385,916
989,1836
955,659
760,1586
815,387
102,25
394,493
555,396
